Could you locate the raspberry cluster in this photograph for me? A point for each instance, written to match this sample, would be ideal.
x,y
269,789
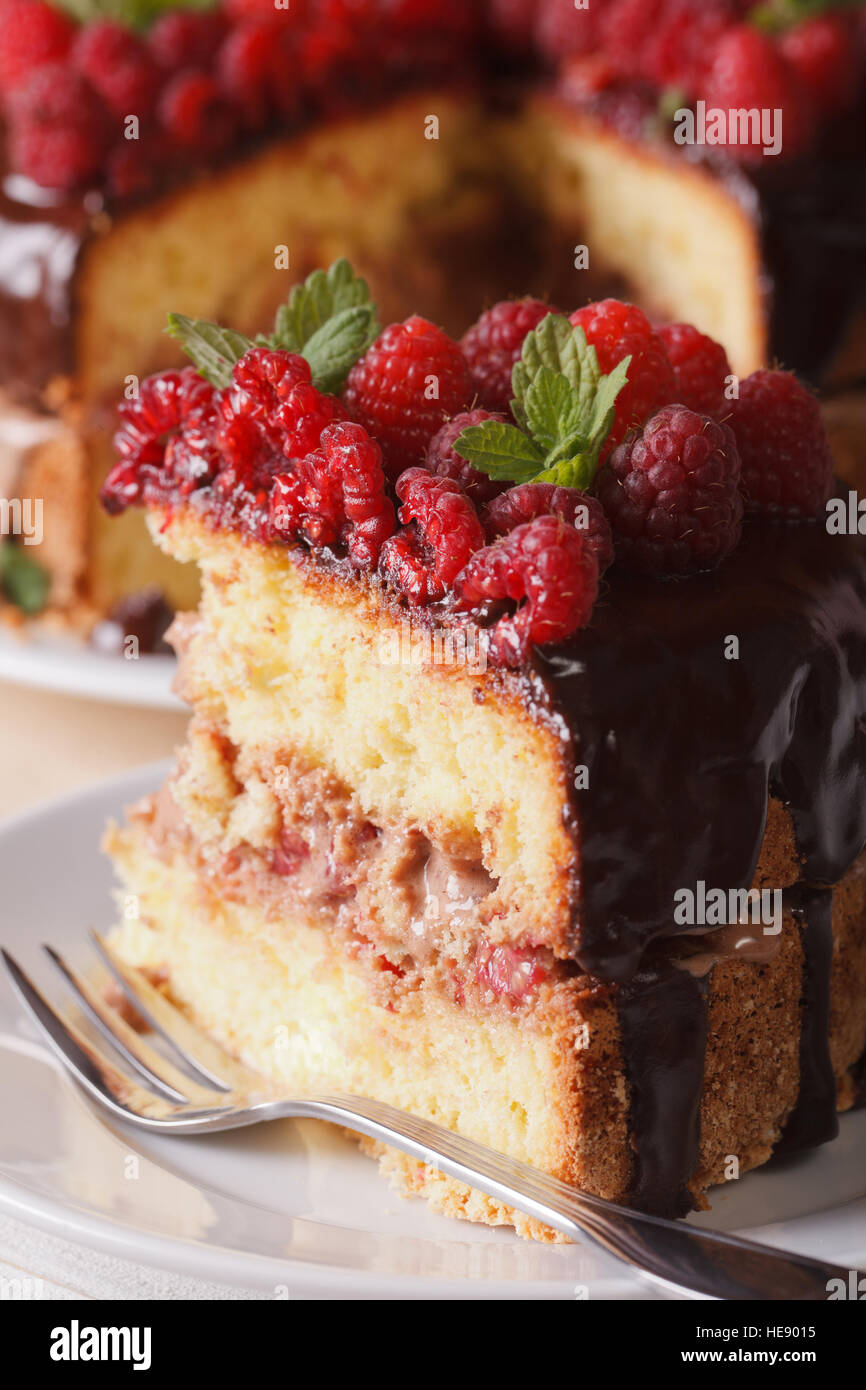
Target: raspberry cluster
x,y
199,82
376,476
810,67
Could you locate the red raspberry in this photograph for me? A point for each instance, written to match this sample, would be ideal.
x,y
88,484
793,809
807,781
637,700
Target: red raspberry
x,y
678,50
748,71
337,494
147,425
118,66
57,130
184,39
671,493
274,389
509,972
195,115
492,346
253,70
130,166
617,330
701,368
563,31
823,53
525,502
548,564
513,22
423,562
31,35
443,462
412,379
787,467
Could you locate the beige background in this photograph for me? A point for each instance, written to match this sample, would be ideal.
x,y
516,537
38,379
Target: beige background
x,y
54,743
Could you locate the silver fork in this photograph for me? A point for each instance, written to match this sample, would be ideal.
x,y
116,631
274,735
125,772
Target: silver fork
x,y
207,1090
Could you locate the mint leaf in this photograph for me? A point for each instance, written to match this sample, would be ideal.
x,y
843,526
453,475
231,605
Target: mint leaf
x,y
22,579
501,451
603,404
322,296
564,407
213,350
135,14
334,348
551,408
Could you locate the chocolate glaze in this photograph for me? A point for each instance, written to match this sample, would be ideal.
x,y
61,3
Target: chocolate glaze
x,y
683,749
683,746
813,1119
663,1023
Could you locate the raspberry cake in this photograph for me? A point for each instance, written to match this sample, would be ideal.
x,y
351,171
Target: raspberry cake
x,y
487,684
453,150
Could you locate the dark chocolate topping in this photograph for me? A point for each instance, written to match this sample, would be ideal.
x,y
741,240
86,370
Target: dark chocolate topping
x,y
683,746
663,1022
40,242
813,1119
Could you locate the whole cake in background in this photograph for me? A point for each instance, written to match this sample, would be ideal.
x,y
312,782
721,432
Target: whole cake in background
x,y
455,150
525,786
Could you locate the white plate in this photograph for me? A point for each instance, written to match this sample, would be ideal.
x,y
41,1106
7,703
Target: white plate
x,y
68,666
292,1206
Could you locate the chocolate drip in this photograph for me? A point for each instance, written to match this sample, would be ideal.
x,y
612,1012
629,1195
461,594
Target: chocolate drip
x,y
663,1023
813,1119
683,745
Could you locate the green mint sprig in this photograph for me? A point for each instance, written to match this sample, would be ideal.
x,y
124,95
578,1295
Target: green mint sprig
x,y
23,581
330,320
564,407
775,16
135,14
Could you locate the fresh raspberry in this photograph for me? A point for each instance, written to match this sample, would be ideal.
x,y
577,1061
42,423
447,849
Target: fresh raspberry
x,y
57,130
423,561
671,493
337,494
195,115
748,71
701,368
509,972
443,462
617,330
492,346
184,39
525,502
548,564
823,53
412,379
147,425
130,166
253,69
274,390
512,22
678,50
563,31
787,467
31,35
118,66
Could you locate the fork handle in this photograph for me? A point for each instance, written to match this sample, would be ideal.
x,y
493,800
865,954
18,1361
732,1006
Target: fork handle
x,y
682,1256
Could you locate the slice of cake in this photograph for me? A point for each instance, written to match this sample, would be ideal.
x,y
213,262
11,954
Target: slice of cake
x,y
524,786
449,154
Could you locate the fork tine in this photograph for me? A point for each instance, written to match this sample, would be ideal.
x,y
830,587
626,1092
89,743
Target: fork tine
x,y
154,1069
96,1072
204,1058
